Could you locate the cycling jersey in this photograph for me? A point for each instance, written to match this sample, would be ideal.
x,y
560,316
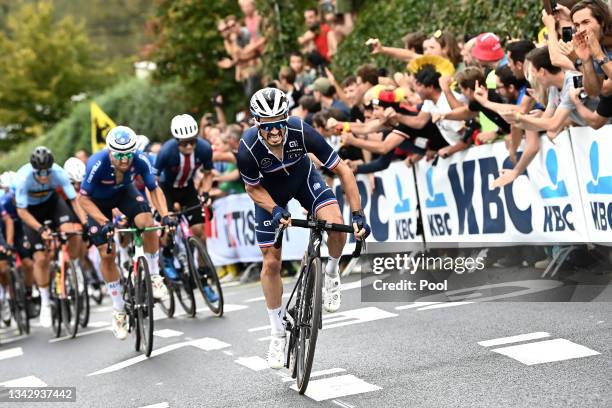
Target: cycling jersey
x,y
176,169
258,165
100,182
7,202
30,192
292,177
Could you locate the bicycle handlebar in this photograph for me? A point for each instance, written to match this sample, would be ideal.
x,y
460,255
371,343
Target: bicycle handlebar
x,y
320,225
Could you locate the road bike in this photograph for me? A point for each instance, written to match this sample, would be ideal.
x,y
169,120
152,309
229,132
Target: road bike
x,y
303,309
17,298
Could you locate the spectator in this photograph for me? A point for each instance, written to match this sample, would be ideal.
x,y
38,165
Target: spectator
x,y
324,93
316,36
517,51
414,42
303,78
82,155
308,106
286,81
508,86
442,44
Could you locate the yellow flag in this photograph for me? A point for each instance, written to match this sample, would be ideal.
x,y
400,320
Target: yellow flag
x,y
101,124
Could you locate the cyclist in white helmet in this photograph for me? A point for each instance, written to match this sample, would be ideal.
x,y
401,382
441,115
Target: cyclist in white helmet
x,y
275,167
108,185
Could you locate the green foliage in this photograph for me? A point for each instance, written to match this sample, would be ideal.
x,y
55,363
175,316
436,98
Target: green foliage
x,y
284,23
44,63
391,20
188,47
145,107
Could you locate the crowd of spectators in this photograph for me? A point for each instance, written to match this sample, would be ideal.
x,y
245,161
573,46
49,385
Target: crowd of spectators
x,y
458,90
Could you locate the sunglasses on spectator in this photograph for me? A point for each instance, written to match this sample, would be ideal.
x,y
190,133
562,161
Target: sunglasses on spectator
x,y
43,172
121,156
186,143
281,124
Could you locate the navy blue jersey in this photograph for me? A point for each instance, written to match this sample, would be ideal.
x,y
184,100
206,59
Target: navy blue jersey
x,y
176,169
100,182
7,201
258,165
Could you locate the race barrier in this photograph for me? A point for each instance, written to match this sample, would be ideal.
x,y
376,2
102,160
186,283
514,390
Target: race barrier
x,y
564,196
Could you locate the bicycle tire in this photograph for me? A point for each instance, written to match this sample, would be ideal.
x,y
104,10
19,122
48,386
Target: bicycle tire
x,y
184,290
310,318
19,302
208,277
84,300
70,303
167,305
56,317
144,309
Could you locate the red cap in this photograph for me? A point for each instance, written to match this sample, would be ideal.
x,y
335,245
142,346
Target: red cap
x,y
488,48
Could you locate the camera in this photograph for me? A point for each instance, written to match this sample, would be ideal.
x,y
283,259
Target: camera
x,y
566,34
579,84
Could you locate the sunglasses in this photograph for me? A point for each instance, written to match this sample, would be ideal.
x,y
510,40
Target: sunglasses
x,y
186,143
43,172
121,156
281,124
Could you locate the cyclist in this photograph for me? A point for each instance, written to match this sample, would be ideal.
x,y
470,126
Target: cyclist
x,y
177,163
21,243
108,184
37,202
274,163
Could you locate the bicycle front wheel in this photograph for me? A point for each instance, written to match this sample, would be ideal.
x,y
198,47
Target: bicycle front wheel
x,y
71,305
309,319
205,276
144,306
19,302
83,298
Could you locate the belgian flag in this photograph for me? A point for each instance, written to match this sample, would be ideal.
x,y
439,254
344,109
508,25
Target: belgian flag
x,y
101,124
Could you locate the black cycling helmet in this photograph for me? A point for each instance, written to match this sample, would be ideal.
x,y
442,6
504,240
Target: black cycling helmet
x,y
41,158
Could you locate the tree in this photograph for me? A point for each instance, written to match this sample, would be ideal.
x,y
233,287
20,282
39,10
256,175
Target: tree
x,y
187,47
44,63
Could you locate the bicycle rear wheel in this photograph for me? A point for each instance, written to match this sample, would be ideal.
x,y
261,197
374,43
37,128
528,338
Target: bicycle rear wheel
x,y
71,306
309,319
144,306
167,304
205,276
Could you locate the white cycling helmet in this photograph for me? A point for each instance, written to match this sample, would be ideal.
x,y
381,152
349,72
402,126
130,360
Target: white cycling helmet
x,y
75,169
184,127
7,179
268,103
121,139
142,142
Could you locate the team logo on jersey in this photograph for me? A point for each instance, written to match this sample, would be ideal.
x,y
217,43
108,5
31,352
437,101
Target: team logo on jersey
x,y
265,163
27,245
139,198
107,181
316,186
93,229
293,143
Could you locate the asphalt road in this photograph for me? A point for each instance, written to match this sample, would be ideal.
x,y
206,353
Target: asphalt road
x,y
433,354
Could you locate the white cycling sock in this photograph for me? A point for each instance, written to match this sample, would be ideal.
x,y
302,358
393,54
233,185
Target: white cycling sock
x,y
115,290
153,260
276,321
331,269
44,296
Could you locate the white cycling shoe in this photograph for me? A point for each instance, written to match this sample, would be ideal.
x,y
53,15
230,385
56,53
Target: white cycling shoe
x,y
120,325
332,297
45,316
276,353
159,287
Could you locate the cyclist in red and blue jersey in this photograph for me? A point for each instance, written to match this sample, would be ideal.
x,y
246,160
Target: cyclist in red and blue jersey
x,y
274,162
108,184
177,164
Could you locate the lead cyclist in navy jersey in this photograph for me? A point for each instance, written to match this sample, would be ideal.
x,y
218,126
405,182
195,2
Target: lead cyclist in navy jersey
x,y
274,163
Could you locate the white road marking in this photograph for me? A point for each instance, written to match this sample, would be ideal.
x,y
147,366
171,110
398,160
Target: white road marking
x,y
254,363
13,339
29,381
81,334
343,404
166,333
262,298
445,304
335,387
98,324
260,328
159,405
10,353
351,285
514,339
228,352
348,317
230,284
205,343
226,308
415,305
318,373
546,351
